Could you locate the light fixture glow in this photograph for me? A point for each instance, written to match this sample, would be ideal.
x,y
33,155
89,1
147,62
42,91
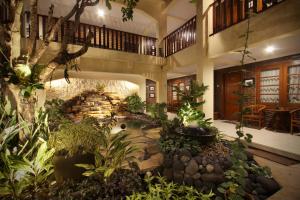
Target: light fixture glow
x,y
270,49
101,13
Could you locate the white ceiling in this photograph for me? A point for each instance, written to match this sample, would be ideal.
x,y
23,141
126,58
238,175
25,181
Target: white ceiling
x,y
178,12
142,23
284,46
182,71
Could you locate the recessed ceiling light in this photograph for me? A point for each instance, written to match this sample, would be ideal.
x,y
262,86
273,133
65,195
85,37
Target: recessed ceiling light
x,y
101,13
269,49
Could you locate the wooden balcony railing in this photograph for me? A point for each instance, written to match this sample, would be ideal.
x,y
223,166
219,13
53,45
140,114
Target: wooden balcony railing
x,y
230,12
105,38
181,38
4,11
262,5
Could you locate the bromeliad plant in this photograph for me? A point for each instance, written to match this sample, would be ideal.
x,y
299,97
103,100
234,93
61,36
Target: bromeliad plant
x,y
114,152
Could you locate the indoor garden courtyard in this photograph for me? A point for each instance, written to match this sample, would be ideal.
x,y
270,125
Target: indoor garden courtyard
x,y
149,99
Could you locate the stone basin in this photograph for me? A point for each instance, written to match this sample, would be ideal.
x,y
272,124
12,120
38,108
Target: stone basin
x,y
204,136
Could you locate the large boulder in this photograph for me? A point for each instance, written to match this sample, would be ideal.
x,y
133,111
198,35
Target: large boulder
x,y
212,178
192,167
268,183
178,165
168,173
209,168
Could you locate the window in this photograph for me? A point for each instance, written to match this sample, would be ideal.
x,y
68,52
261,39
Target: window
x,y
269,86
294,84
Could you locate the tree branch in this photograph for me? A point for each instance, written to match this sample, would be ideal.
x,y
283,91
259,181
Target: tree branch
x,y
50,18
83,49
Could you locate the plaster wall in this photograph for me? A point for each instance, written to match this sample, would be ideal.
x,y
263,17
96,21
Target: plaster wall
x,y
102,64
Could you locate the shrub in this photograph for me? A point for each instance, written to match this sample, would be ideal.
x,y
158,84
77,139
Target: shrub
x,y
190,111
157,111
77,138
114,152
23,165
159,188
56,117
172,139
123,182
135,104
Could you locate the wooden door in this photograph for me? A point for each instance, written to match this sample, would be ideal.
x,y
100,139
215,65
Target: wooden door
x,y
232,85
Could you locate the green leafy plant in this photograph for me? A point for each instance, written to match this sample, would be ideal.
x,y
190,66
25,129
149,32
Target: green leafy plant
x,y
23,165
121,183
19,172
260,171
78,138
170,140
157,111
194,95
135,103
24,76
188,114
159,188
56,117
114,152
38,166
189,110
9,127
32,132
234,186
13,181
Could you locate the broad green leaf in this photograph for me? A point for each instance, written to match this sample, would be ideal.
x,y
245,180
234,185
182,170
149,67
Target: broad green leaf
x,y
85,166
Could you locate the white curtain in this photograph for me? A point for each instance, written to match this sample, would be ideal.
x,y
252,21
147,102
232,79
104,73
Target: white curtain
x,y
294,84
269,82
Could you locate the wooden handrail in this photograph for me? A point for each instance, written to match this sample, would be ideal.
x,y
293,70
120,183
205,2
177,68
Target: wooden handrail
x,y
104,37
181,38
227,13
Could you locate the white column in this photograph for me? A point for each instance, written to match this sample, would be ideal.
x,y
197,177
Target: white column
x,y
205,68
162,87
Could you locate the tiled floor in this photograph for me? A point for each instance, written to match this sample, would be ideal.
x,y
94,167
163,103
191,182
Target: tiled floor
x,y
279,143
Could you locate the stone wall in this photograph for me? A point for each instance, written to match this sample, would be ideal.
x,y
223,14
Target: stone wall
x,y
92,103
206,167
62,90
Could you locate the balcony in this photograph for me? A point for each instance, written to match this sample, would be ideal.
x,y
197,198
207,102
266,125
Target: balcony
x,y
230,12
181,38
104,37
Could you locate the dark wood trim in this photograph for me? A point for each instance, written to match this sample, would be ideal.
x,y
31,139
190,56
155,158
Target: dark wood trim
x,y
186,80
238,12
253,70
108,38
